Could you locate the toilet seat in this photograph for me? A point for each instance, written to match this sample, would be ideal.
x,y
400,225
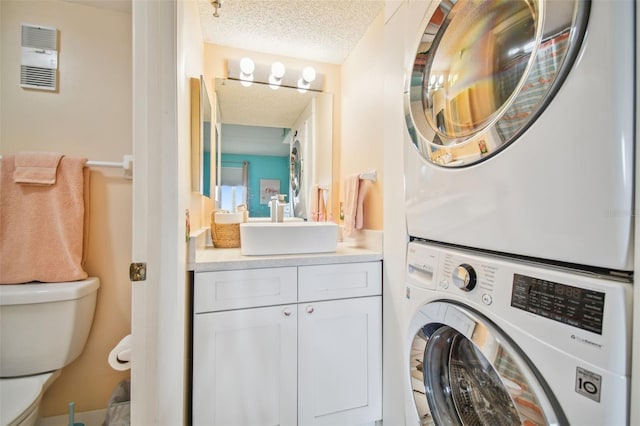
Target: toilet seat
x,y
20,397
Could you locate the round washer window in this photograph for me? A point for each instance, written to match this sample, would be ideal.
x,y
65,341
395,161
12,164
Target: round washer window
x,y
484,71
465,371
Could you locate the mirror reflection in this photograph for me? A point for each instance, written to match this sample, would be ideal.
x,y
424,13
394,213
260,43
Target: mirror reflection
x,y
201,138
271,142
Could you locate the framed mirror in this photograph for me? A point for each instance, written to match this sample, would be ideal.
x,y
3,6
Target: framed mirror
x,y
202,142
261,131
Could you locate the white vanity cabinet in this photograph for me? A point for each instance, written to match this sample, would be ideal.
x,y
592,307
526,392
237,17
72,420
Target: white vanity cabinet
x,y
266,355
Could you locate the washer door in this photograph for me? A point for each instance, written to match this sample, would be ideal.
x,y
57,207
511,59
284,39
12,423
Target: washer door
x,y
464,371
485,70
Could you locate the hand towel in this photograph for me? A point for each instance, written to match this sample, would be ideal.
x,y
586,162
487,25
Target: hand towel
x,y
363,188
351,186
42,228
313,198
36,168
322,209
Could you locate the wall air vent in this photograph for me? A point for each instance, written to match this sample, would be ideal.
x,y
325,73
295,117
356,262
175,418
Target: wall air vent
x,y
39,63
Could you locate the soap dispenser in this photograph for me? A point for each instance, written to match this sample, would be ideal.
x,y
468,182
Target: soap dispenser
x,y
276,205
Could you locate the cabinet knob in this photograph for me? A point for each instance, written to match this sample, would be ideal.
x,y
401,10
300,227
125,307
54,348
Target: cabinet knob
x,y
310,309
286,312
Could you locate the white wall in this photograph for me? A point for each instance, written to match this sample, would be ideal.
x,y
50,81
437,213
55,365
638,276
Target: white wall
x,y
362,105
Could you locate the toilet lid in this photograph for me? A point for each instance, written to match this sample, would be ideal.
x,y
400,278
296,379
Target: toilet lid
x,y
19,394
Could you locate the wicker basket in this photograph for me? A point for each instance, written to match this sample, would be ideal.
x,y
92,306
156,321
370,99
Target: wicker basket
x,y
224,235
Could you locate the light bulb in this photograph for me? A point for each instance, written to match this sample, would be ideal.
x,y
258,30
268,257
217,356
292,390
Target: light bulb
x,y
303,85
309,74
247,66
274,83
277,70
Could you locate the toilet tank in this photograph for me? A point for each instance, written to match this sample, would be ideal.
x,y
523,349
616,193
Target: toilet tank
x,y
44,326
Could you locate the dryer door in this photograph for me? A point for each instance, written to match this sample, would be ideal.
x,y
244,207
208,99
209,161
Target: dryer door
x,y
465,371
484,72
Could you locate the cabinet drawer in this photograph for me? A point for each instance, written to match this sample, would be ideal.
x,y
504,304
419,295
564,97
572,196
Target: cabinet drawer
x,y
223,290
339,281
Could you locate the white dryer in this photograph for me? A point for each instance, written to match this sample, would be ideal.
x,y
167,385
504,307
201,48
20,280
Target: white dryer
x,y
492,341
520,122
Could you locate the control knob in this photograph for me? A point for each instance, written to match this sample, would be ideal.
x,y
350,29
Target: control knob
x,y
464,277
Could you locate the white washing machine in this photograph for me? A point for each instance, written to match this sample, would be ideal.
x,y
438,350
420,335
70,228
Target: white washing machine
x,y
520,122
493,341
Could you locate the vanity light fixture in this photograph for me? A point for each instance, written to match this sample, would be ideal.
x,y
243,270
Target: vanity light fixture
x,y
277,72
217,4
308,76
247,66
274,74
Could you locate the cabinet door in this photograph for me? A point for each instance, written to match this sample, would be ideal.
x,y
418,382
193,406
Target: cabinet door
x,y
244,367
340,362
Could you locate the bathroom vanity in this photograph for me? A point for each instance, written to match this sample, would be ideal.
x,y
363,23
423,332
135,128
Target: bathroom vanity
x,y
287,340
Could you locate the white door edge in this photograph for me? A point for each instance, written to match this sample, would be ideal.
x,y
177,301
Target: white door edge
x,y
157,374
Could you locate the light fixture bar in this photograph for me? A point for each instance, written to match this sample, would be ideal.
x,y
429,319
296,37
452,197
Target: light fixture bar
x,y
267,73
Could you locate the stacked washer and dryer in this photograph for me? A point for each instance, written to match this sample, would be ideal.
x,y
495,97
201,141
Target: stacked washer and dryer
x,y
519,200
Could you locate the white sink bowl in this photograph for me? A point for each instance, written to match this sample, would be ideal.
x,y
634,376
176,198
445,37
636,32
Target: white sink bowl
x,y
293,237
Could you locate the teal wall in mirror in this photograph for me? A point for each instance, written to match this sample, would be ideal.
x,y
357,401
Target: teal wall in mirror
x,y
259,167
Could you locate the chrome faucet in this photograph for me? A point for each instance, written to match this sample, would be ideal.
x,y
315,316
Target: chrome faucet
x,y
276,205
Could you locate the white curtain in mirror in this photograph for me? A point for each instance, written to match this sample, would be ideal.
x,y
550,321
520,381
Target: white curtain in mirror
x,y
234,185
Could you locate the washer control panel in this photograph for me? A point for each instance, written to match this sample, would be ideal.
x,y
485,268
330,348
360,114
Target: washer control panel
x,y
436,269
464,277
575,312
579,307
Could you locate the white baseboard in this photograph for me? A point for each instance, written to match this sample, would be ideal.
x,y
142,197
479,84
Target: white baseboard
x,y
89,418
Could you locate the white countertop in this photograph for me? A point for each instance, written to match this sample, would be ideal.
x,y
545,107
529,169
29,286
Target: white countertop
x,y
221,259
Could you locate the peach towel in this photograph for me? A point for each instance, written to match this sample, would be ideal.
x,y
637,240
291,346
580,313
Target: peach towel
x,y
351,186
355,191
314,203
318,207
43,229
37,168
363,188
322,208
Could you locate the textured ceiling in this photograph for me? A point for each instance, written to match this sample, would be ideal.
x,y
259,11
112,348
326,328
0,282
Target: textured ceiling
x,y
259,105
322,31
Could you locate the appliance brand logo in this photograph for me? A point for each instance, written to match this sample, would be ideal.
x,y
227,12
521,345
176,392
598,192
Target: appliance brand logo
x,y
586,341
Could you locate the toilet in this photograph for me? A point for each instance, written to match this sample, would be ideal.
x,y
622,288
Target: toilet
x,y
43,327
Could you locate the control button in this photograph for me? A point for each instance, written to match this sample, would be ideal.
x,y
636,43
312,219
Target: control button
x,y
444,283
487,299
464,277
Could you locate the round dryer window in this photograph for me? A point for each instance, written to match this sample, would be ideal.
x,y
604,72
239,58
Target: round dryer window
x,y
464,371
485,70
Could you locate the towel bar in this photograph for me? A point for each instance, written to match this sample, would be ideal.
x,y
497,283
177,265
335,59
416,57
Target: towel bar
x,y
372,175
126,164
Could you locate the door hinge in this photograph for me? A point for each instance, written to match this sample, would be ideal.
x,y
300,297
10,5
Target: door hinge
x,y
138,271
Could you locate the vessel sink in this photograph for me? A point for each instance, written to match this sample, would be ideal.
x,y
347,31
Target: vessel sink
x,y
291,237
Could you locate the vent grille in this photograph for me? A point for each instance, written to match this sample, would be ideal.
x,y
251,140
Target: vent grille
x,y
39,37
39,65
37,78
